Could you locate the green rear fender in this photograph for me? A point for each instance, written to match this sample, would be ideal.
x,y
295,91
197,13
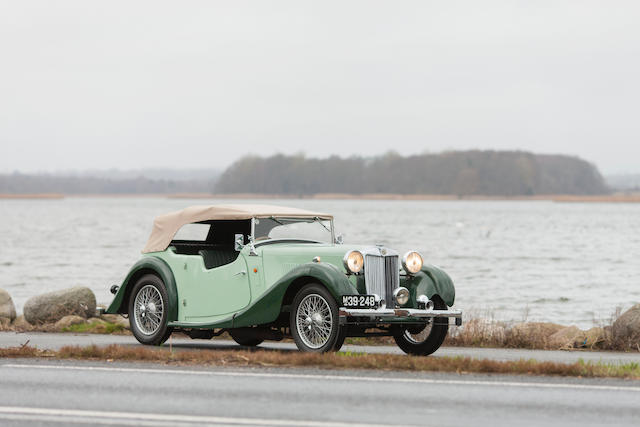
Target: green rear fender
x,y
432,281
269,306
147,265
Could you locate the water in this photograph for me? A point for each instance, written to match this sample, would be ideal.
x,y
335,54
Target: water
x,y
566,263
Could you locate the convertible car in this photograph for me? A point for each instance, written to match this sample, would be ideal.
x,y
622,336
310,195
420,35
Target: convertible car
x,y
267,272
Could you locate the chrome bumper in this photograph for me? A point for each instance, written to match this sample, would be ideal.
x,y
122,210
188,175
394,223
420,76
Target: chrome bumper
x,y
383,314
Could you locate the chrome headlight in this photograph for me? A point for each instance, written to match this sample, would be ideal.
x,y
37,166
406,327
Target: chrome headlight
x,y
412,262
353,261
401,295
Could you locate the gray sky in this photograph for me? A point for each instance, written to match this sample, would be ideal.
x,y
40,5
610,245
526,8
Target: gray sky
x,y
198,84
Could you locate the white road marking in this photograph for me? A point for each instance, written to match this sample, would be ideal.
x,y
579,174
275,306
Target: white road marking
x,y
383,379
137,418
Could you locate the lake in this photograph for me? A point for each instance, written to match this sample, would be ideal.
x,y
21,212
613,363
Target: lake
x,y
569,263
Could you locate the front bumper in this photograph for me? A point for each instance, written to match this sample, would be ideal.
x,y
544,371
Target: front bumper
x,y
382,315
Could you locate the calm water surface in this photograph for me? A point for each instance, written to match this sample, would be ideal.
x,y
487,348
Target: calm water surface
x,y
566,263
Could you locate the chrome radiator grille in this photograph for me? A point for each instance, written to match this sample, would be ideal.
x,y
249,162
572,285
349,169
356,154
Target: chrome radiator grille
x,y
382,276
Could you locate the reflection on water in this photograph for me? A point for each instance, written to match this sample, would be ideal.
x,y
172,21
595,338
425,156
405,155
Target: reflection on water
x,y
567,263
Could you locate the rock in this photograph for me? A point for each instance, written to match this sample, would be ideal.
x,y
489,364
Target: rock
x,y
7,308
96,321
569,337
593,337
626,328
531,334
21,324
117,319
67,321
53,306
5,323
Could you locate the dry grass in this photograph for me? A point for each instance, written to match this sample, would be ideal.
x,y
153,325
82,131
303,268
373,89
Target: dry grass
x,y
329,361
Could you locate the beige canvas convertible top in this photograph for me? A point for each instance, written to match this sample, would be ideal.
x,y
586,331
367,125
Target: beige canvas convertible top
x,y
166,226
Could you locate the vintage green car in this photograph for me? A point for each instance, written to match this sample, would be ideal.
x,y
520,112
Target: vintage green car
x,y
266,272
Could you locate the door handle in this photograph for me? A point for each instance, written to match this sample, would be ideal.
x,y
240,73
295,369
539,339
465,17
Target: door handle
x,y
240,273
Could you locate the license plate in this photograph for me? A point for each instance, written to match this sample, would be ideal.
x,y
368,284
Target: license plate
x,y
359,301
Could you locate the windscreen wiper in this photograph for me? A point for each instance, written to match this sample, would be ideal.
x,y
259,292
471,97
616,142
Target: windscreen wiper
x,y
319,221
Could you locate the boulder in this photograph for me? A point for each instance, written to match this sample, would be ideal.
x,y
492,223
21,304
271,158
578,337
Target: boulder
x,y
5,323
569,337
117,319
531,334
7,308
53,306
21,324
67,321
626,328
96,321
593,337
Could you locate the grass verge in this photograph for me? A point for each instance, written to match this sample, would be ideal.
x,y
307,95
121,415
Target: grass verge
x,y
343,360
95,328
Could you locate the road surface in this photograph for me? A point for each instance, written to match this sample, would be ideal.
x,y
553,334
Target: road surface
x,y
55,341
37,392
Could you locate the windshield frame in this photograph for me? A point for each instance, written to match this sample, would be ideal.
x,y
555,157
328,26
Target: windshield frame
x,y
311,219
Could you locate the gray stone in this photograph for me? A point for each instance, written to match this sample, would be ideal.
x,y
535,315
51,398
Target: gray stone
x,y
117,319
67,321
53,306
569,337
626,328
21,324
7,308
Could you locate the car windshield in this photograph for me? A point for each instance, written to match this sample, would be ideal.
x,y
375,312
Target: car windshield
x,y
313,229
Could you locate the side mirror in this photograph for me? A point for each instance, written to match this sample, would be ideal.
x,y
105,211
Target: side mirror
x,y
239,242
339,239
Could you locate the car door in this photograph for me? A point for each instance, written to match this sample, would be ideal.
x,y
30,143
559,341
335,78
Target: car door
x,y
217,291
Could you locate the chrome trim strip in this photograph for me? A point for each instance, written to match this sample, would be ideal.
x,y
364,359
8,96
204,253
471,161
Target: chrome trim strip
x,y
398,312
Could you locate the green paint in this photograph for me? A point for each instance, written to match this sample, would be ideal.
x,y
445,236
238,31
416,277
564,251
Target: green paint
x,y
148,264
251,290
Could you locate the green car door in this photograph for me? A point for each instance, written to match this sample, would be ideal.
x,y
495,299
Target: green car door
x,y
209,292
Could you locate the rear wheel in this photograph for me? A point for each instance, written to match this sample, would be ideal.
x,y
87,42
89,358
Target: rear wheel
x,y
314,320
423,340
148,310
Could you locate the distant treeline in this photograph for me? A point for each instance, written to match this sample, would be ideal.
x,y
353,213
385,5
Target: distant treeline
x,y
488,173
17,183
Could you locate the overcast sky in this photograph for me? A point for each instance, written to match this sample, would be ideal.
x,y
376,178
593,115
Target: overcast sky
x,y
187,84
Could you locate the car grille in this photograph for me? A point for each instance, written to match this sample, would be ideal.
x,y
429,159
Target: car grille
x,y
382,276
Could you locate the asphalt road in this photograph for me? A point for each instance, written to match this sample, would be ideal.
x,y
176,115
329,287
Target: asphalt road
x,y
55,341
36,392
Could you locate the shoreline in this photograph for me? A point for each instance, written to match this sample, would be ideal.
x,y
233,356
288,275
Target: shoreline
x,y
556,198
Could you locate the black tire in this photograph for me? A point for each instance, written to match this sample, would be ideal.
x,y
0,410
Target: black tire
x,y
245,337
329,320
432,342
162,333
342,334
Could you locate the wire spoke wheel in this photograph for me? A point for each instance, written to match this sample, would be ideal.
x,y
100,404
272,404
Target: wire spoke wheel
x,y
418,336
423,339
148,310
314,321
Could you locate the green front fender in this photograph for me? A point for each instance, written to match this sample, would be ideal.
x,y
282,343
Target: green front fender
x,y
432,281
146,265
268,307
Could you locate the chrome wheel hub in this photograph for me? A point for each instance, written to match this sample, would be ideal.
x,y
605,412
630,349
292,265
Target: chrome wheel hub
x,y
149,308
314,321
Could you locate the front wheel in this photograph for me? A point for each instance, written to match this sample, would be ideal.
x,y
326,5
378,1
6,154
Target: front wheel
x,y
148,305
314,320
423,340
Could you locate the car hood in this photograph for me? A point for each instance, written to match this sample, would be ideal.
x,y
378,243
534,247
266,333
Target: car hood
x,y
280,258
